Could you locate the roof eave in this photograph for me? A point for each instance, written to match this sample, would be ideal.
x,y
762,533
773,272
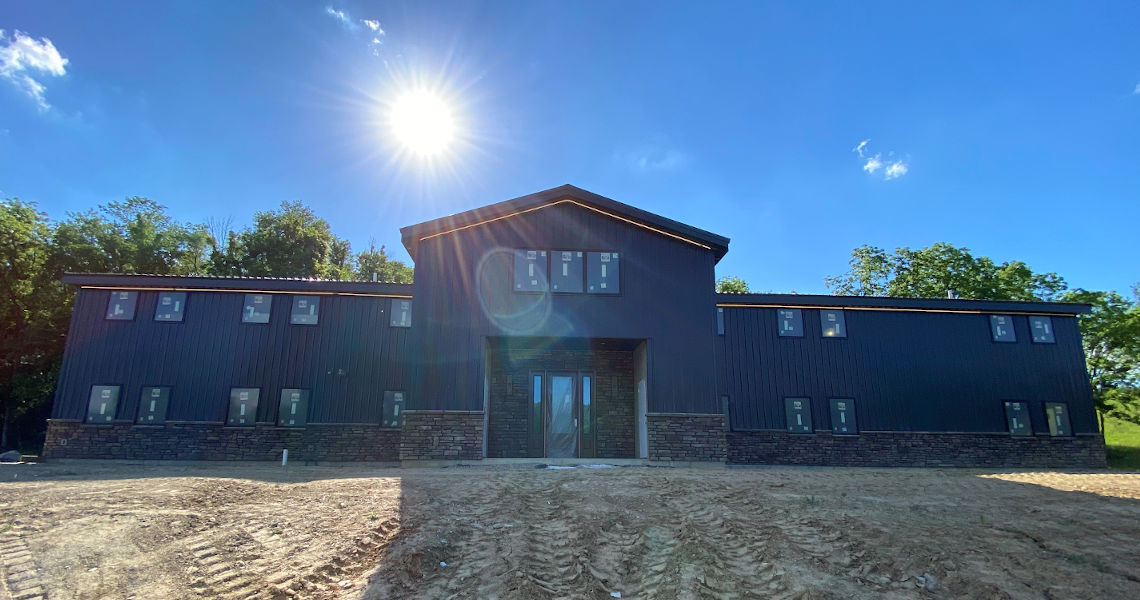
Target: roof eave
x,y
934,304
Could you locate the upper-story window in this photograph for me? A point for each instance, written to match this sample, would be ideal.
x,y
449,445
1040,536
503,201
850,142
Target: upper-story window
x,y
1042,330
401,313
790,322
1001,327
603,273
530,271
121,306
256,309
306,310
171,307
832,323
566,271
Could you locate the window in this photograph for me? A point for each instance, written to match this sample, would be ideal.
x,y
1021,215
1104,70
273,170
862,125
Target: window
x,y
171,306
152,405
256,308
530,270
832,324
843,417
294,408
790,321
603,273
1042,330
535,445
305,311
566,272
401,313
1017,417
1001,326
103,402
121,306
719,321
798,412
393,409
243,406
1058,415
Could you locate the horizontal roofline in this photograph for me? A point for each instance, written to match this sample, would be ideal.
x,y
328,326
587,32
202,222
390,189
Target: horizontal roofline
x,y
413,234
918,304
206,282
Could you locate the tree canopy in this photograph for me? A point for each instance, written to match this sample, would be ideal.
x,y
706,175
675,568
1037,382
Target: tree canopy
x,y
731,285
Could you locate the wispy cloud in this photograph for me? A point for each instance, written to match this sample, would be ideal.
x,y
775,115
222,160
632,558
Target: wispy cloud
x,y
1136,92
374,30
21,56
891,168
654,157
895,170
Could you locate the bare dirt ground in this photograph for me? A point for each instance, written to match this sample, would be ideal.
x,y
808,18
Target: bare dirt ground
x,y
88,530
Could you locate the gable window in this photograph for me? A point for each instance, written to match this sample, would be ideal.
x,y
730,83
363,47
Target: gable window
x,y
843,417
530,271
306,310
832,323
152,405
393,409
719,320
1058,415
798,413
790,322
243,407
256,309
171,307
121,306
401,313
1001,327
603,273
103,403
566,271
1042,330
1017,417
293,410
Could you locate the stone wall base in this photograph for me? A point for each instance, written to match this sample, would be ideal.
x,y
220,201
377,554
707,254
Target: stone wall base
x,y
442,435
906,449
686,437
214,441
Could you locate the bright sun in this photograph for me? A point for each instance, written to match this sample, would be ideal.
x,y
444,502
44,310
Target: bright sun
x,y
422,123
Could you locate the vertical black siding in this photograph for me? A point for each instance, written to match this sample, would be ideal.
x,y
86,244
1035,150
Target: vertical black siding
x,y
907,371
348,360
463,294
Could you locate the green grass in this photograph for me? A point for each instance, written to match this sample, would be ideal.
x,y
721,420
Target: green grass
x,y
1123,440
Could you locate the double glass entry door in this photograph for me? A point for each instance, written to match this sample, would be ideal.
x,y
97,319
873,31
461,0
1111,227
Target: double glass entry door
x,y
562,414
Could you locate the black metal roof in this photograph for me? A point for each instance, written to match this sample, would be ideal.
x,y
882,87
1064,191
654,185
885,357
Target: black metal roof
x,y
931,304
412,234
269,284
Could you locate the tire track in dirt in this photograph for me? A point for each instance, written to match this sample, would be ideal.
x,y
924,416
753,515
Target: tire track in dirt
x,y
18,571
220,574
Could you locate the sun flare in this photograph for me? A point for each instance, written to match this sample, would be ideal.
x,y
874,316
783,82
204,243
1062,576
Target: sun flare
x,y
422,122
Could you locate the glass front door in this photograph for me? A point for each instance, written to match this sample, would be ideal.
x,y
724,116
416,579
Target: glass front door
x,y
562,429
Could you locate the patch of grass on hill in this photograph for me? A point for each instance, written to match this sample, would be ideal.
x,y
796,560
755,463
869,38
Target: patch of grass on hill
x,y
1123,440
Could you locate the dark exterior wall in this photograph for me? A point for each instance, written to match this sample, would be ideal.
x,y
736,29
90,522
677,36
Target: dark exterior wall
x,y
212,441
464,294
907,371
348,360
612,392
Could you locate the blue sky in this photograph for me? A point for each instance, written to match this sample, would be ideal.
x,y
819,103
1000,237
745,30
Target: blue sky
x,y
1009,128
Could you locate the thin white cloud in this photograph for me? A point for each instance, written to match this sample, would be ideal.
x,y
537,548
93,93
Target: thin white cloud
x,y
376,37
341,16
1136,92
873,164
23,55
895,170
657,158
373,25
891,168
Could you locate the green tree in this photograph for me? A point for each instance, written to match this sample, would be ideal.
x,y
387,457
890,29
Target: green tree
x,y
934,271
731,285
387,270
33,312
290,242
1111,337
